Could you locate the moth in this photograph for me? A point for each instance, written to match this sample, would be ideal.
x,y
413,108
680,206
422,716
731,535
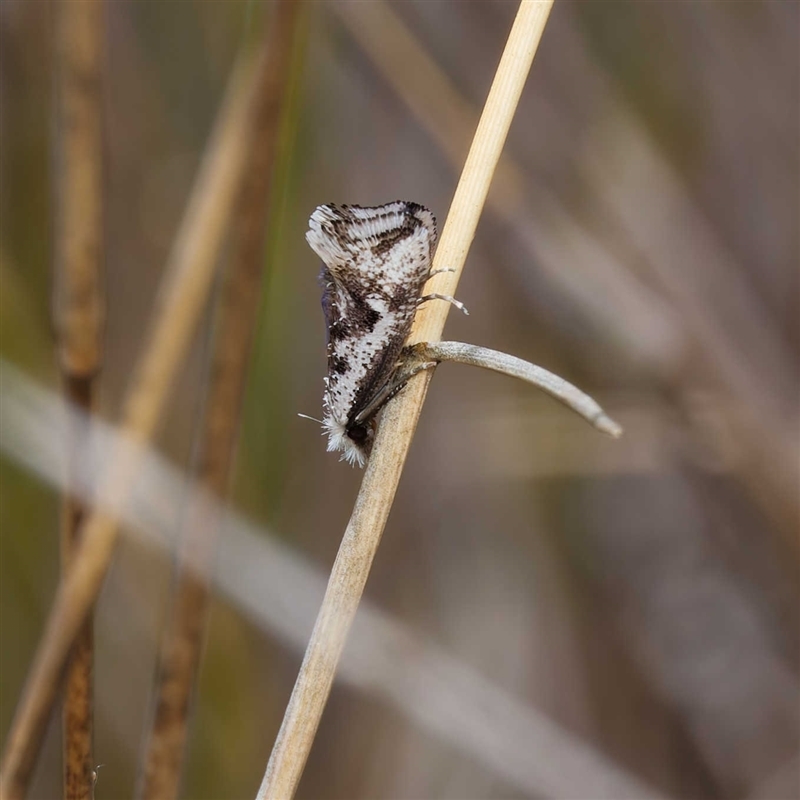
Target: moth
x,y
376,261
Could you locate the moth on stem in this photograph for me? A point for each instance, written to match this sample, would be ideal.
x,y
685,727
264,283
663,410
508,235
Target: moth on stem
x,y
376,263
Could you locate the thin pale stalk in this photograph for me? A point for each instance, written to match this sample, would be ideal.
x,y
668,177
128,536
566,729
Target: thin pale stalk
x,y
188,277
78,317
183,639
363,533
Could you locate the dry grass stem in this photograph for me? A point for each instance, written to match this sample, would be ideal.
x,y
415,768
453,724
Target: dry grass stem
x,y
561,390
363,533
183,640
183,293
78,316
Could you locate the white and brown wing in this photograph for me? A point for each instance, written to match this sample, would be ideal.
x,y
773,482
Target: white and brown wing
x,y
376,262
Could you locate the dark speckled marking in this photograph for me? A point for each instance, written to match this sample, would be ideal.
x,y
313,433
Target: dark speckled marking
x,y
338,365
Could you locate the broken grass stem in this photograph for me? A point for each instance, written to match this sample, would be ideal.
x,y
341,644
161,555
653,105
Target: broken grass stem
x,y
421,355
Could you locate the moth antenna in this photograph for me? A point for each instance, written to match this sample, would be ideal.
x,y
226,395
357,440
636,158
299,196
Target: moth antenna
x,y
313,419
447,298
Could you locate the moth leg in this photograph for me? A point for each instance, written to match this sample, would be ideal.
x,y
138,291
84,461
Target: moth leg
x,y
447,298
438,271
406,374
398,381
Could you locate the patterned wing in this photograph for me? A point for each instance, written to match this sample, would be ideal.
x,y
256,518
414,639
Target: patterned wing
x,y
376,262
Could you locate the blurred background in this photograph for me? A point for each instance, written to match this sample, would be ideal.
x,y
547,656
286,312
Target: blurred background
x,y
641,239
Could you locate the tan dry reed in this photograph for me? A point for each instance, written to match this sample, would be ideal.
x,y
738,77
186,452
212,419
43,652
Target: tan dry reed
x,y
182,643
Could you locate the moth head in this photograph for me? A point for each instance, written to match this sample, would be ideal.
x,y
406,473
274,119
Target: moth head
x,y
354,440
358,442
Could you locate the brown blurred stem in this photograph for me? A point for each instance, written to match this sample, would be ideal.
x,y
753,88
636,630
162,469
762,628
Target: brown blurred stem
x,y
183,639
78,316
188,277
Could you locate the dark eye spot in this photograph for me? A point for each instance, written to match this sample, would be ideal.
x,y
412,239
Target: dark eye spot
x,y
358,433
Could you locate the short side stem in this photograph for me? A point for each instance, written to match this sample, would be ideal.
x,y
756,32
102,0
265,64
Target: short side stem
x,y
556,387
